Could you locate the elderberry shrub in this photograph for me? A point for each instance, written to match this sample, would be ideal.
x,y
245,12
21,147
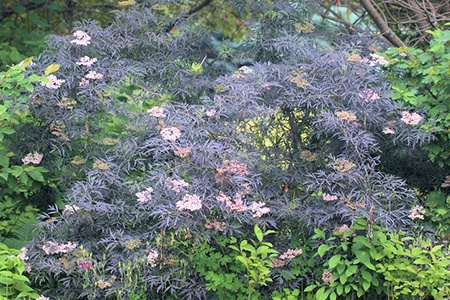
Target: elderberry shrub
x,y
159,157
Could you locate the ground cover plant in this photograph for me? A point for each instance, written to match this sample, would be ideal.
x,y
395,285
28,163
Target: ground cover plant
x,y
185,179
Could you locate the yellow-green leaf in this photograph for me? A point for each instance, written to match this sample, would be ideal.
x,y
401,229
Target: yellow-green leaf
x,y
51,69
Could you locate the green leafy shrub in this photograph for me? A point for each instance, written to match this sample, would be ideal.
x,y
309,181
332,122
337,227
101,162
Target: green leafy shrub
x,y
13,283
420,80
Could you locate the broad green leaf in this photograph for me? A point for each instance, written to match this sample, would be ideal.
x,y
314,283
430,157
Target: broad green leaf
x,y
51,69
258,233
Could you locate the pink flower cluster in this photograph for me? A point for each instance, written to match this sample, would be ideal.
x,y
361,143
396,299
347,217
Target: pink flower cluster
x,y
291,253
189,202
152,257
81,38
86,61
42,297
417,212
411,119
327,276
329,198
145,196
210,113
156,112
176,185
55,248
23,254
53,82
33,158
237,204
369,95
170,134
388,130
85,265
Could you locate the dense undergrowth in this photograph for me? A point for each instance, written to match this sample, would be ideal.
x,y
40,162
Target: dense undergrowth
x,y
171,177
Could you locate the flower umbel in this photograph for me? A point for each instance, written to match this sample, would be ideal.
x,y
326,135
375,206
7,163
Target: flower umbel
x,y
170,134
53,82
417,212
411,119
144,196
189,202
33,158
81,38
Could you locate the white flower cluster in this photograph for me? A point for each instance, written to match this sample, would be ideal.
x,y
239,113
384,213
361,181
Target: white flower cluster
x,y
170,134
70,209
55,248
33,158
81,38
144,196
152,257
53,82
189,202
86,61
156,112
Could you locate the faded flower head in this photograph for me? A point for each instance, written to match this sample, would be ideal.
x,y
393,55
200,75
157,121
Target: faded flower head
x,y
340,230
170,134
343,165
53,82
33,158
291,253
231,167
176,185
81,38
86,61
327,276
417,212
411,119
100,165
132,244
156,112
189,202
182,152
346,116
145,195
374,60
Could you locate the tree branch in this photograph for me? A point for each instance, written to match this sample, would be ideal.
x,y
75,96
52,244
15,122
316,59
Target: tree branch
x,y
382,25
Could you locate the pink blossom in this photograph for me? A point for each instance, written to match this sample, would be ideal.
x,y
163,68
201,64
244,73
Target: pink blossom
x,y
417,212
70,209
33,158
156,112
93,75
411,119
81,38
258,209
369,94
291,253
42,297
210,113
145,196
53,82
23,254
86,61
83,82
85,265
328,197
388,130
189,202
245,70
170,134
152,257
55,248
